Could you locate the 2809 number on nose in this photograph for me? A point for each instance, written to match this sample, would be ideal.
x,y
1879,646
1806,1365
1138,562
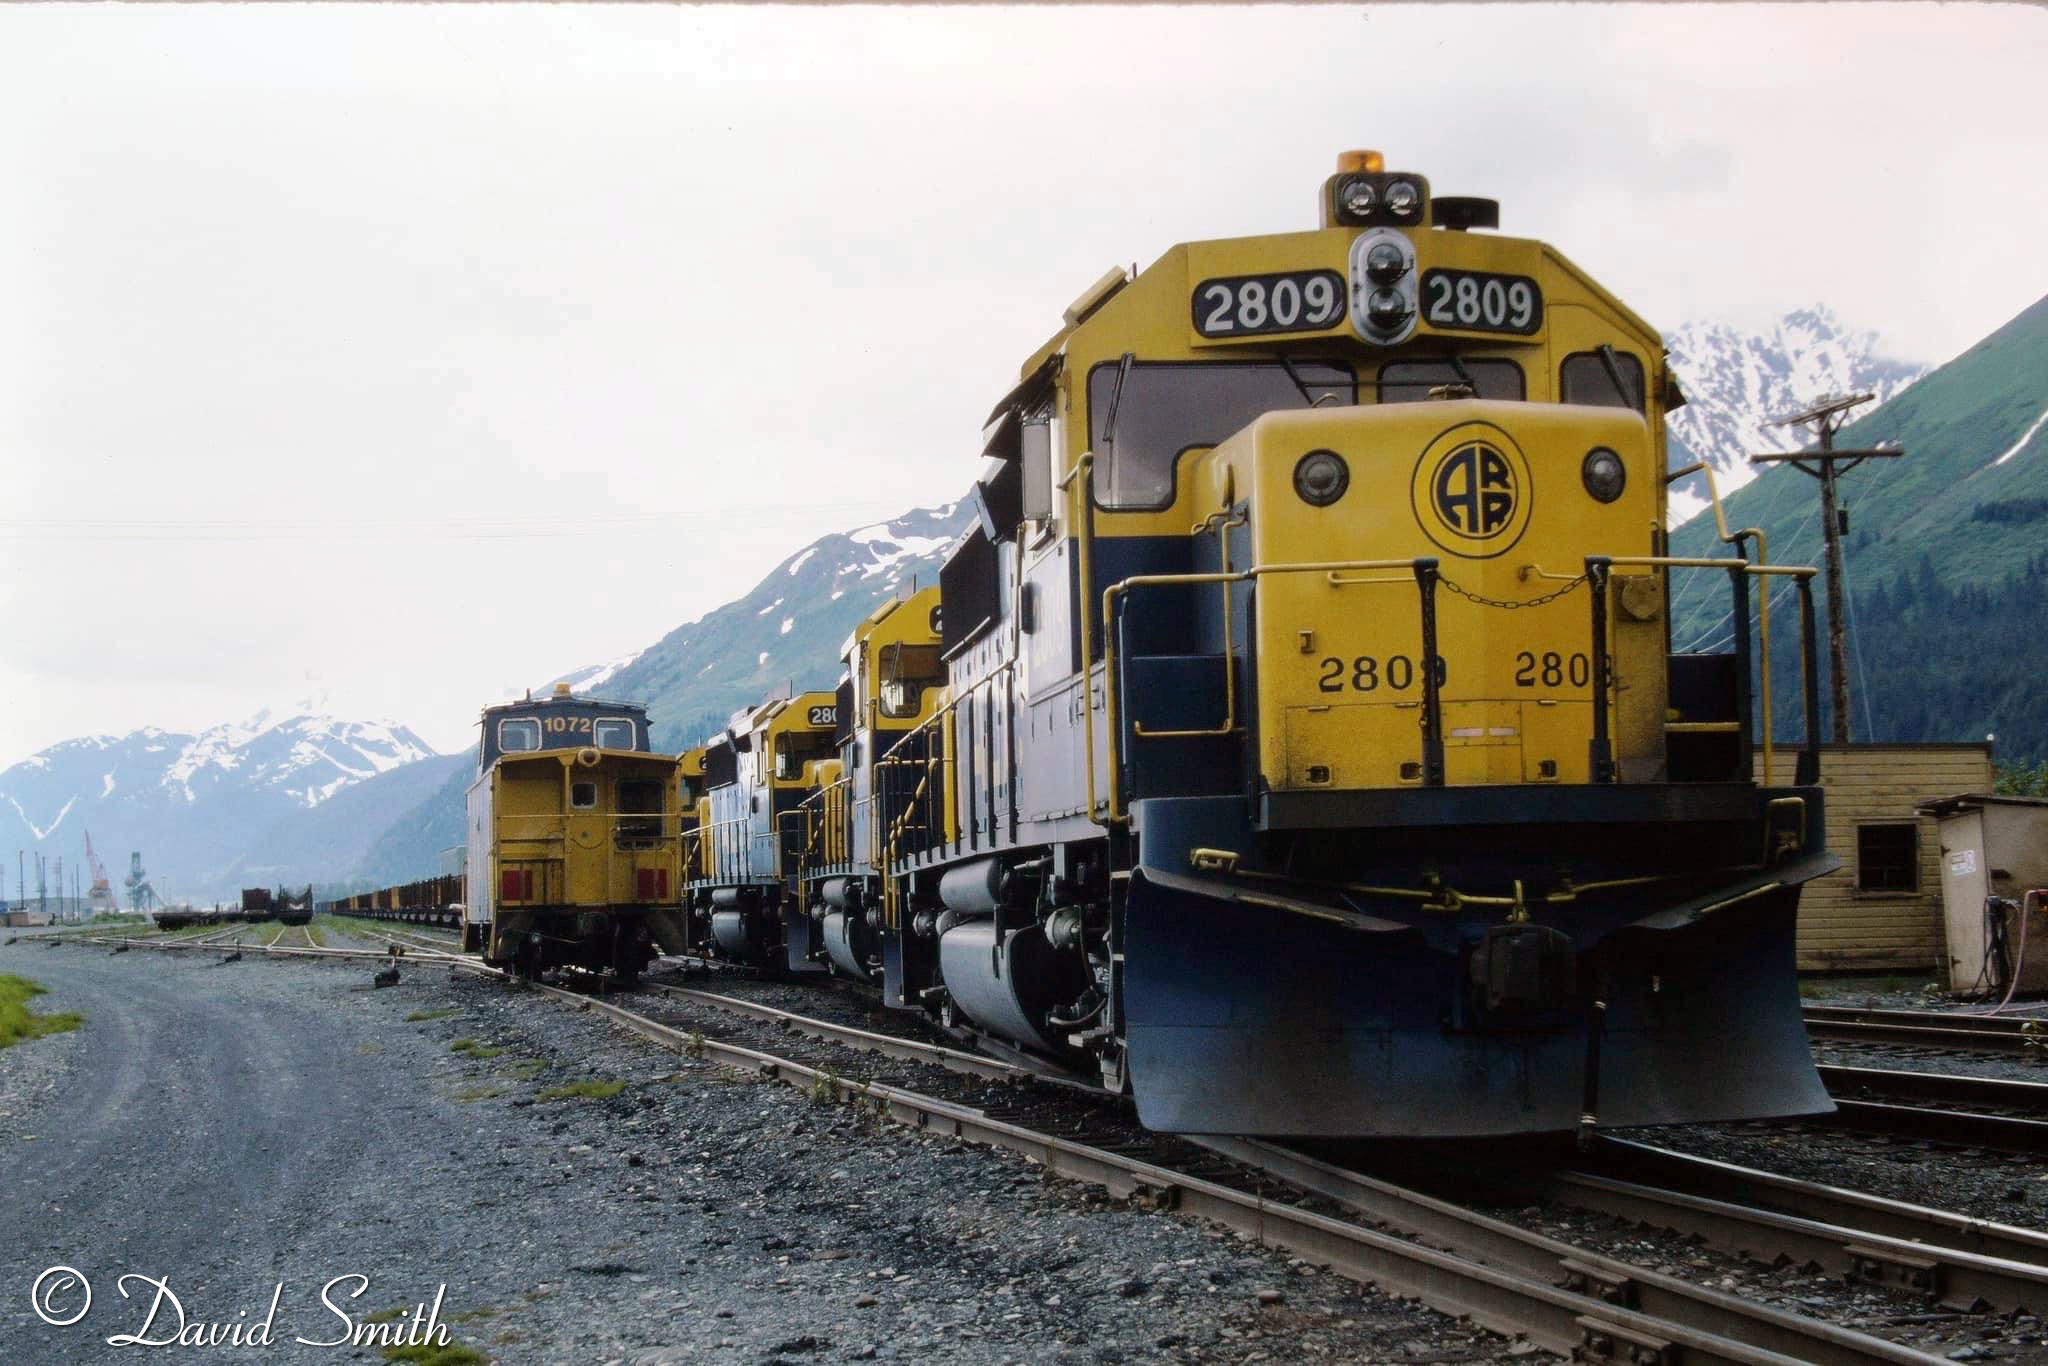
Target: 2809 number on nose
x,y
1370,673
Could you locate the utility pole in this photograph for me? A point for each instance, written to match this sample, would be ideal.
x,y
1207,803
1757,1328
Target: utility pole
x,y
1827,416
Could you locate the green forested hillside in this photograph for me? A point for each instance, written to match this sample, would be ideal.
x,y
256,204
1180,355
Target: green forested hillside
x,y
1944,560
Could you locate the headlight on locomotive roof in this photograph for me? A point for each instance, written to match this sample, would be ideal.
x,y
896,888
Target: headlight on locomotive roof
x,y
1604,474
1357,196
1321,477
1403,198
1386,310
1385,263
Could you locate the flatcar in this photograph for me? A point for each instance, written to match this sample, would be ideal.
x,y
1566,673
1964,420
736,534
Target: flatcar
x,y
1313,757
574,839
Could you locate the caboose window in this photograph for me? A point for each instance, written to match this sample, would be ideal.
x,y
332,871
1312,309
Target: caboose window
x,y
613,732
1409,381
1167,409
1589,377
583,796
518,734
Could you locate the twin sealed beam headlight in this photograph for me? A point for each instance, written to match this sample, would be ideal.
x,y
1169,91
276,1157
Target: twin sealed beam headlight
x,y
1604,474
1321,477
1384,292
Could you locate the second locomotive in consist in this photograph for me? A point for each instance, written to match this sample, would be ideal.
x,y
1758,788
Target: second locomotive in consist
x,y
1303,746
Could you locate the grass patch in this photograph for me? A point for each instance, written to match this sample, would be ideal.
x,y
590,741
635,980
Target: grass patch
x,y
18,1022
583,1090
386,1315
315,937
422,1015
526,1069
470,1048
474,1093
426,1354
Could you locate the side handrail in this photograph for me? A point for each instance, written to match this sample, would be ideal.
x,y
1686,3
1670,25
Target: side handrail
x,y
1426,577
1763,610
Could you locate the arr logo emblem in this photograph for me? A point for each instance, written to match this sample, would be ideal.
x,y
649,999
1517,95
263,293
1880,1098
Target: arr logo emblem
x,y
1471,491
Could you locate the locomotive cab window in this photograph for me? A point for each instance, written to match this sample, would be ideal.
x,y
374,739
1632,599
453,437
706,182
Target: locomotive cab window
x,y
1888,858
1605,379
583,795
794,749
1409,381
1166,409
519,734
613,732
907,670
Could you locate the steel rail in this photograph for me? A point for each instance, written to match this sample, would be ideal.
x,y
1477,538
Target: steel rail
x,y
1861,1253
909,1050
1560,1319
1963,1128
1926,1019
1929,1029
1933,1228
1453,1228
377,955
2021,1097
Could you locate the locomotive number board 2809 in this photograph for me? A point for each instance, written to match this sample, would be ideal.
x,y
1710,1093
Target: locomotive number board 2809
x,y
1250,305
1480,301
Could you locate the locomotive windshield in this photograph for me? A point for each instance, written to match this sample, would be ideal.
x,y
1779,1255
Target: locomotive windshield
x,y
1166,410
794,749
520,733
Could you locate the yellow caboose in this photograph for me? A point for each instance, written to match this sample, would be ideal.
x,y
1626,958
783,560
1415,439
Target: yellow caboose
x,y
574,839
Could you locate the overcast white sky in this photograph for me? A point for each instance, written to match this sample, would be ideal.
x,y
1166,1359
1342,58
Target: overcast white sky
x,y
396,357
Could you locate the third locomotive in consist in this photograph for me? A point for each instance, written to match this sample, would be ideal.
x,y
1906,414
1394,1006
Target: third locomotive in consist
x,y
1296,741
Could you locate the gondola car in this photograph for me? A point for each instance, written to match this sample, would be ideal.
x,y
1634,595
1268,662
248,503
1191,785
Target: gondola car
x,y
1315,758
574,839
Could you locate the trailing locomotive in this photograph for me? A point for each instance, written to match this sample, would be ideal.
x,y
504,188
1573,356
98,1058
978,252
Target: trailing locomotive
x,y
574,830
743,852
1312,756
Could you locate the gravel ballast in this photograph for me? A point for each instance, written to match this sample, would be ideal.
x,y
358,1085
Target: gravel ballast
x,y
231,1127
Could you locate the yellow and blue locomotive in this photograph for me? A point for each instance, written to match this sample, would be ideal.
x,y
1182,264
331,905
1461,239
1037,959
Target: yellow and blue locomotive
x,y
574,839
893,685
1314,758
743,853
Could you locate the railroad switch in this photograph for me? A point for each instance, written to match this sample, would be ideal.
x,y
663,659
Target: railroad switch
x,y
1895,1270
1603,1341
1601,1283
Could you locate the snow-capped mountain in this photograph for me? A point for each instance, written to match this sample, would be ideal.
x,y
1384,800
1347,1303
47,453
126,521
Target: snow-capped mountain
x,y
192,804
1737,383
787,630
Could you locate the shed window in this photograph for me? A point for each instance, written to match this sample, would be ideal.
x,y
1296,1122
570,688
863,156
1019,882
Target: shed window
x,y
1888,858
1409,381
1166,410
1586,378
518,734
613,732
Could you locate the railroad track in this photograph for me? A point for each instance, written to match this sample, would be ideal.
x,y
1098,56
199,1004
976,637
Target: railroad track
x,y
1926,1252
1928,1028
1979,1112
1565,1298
